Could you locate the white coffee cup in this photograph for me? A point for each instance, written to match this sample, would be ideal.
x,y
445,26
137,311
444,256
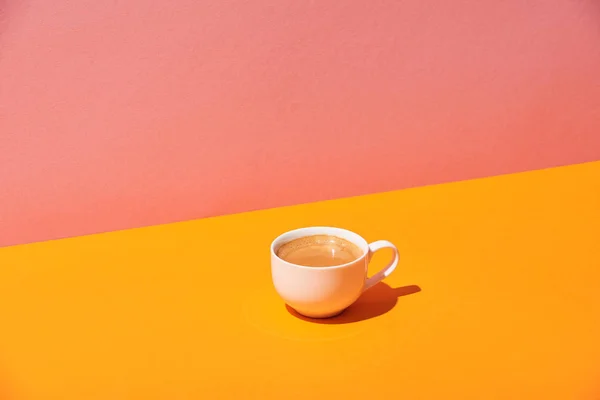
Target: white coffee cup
x,y
326,291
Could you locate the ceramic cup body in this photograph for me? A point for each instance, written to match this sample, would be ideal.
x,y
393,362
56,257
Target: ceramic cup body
x,y
321,292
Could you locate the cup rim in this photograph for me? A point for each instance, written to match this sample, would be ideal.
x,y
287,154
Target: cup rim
x,y
363,244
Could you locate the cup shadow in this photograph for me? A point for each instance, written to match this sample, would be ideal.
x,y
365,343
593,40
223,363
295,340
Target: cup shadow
x,y
376,301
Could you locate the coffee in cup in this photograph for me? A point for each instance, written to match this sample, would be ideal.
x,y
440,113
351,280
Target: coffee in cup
x,y
319,251
320,271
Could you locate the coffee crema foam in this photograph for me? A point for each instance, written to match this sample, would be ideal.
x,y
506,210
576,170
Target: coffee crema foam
x,y
319,251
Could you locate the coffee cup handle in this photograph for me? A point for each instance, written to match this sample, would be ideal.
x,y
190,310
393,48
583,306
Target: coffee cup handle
x,y
385,272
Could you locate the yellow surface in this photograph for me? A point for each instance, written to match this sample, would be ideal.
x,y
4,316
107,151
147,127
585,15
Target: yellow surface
x,y
509,304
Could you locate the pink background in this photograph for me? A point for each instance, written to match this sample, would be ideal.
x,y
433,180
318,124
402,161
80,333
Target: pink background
x,y
123,114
